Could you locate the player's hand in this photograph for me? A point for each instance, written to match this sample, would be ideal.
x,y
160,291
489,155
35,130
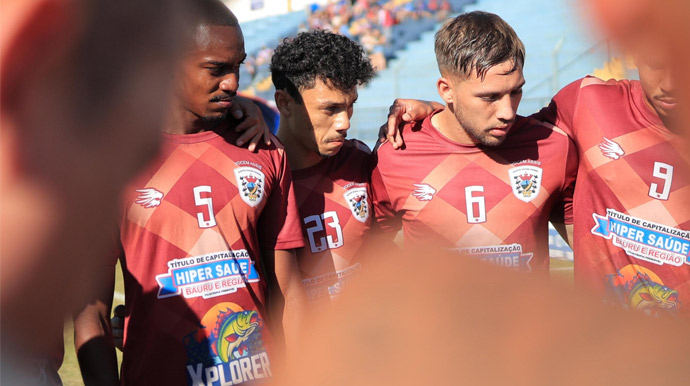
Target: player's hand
x,y
253,127
117,325
401,112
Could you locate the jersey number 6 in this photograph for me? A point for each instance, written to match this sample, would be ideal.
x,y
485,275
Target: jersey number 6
x,y
476,207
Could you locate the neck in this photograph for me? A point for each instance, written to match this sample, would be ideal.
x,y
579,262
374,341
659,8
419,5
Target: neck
x,y
447,124
299,157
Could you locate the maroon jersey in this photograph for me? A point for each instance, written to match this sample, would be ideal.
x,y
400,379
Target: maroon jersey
x,y
195,285
493,202
334,206
632,198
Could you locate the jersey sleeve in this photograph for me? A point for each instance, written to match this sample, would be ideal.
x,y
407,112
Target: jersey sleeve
x,y
562,211
386,219
279,226
561,111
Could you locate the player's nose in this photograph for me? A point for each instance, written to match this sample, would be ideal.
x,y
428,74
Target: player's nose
x,y
342,122
230,83
506,110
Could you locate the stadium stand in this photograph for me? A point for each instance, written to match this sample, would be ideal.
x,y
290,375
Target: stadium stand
x,y
382,27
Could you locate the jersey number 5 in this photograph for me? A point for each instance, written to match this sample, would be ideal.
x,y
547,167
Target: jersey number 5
x,y
204,201
665,172
328,241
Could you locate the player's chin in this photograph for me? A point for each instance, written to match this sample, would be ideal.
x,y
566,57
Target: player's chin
x,y
215,116
332,148
493,140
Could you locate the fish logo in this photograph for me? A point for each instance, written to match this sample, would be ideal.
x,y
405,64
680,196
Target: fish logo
x,y
424,192
611,149
525,181
358,202
232,331
149,197
226,332
643,290
250,183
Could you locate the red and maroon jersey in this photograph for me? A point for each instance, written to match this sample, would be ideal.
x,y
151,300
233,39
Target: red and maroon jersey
x,y
632,198
492,202
334,206
195,286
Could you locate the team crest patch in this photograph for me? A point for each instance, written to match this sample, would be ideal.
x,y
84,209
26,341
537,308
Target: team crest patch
x,y
525,181
358,202
250,183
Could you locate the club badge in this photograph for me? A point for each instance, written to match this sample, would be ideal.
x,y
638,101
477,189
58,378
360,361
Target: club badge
x,y
525,181
358,201
250,183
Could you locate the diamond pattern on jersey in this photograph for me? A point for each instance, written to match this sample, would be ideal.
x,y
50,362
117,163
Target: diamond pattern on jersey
x,y
447,168
450,178
186,168
323,190
624,178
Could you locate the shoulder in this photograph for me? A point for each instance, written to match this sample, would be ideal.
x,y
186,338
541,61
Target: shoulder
x,y
413,134
528,131
591,85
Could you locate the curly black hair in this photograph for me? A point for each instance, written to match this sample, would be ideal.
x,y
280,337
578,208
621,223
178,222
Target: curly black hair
x,y
297,63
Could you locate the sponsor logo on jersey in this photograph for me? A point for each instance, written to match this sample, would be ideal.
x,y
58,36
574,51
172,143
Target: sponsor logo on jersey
x,y
424,192
358,202
642,239
641,289
331,283
509,256
526,181
611,149
149,197
207,276
228,347
250,183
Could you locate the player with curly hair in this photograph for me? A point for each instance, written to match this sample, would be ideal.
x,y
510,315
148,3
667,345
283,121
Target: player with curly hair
x,y
316,75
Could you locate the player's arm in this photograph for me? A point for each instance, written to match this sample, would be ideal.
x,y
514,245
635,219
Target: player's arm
x,y
253,126
287,297
93,340
401,112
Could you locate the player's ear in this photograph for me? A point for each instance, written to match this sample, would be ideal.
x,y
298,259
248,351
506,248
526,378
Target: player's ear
x,y
445,89
35,34
283,102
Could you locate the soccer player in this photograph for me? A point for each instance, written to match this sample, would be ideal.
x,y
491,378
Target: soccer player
x,y
632,225
207,235
478,179
316,76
